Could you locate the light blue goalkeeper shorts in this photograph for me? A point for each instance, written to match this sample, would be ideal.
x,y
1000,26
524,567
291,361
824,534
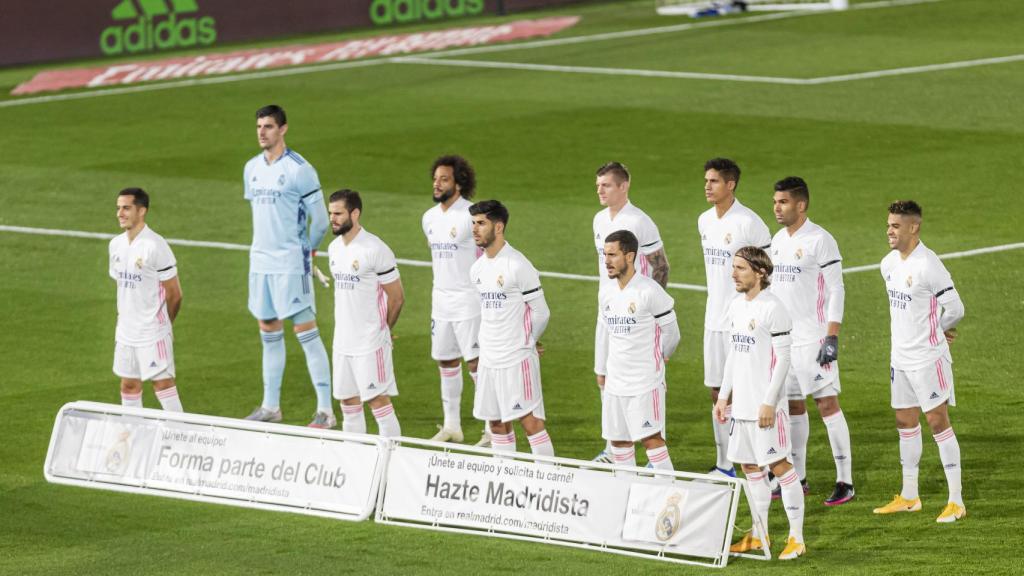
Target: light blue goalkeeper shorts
x,y
280,296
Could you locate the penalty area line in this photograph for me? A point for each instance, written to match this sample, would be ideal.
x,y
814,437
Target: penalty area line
x,y
424,264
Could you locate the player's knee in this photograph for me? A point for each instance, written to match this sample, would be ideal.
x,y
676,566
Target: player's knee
x,y
131,386
938,419
827,406
798,407
750,469
448,363
652,442
163,384
780,468
472,364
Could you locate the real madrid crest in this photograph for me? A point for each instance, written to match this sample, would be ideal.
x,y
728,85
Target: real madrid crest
x,y
138,264
454,232
799,253
280,181
355,265
117,455
910,281
501,281
632,307
752,325
728,237
670,520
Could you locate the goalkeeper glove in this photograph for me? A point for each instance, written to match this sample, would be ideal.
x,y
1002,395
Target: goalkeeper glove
x,y
323,278
829,350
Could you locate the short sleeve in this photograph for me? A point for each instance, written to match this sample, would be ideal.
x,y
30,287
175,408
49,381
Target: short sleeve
x,y
758,234
828,252
306,181
110,260
659,302
648,235
163,261
779,322
936,277
385,264
528,280
246,178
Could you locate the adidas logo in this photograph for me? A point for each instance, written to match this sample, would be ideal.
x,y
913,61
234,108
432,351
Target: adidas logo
x,y
933,396
517,407
476,346
152,364
156,25
646,424
818,378
372,386
296,301
772,451
840,457
948,466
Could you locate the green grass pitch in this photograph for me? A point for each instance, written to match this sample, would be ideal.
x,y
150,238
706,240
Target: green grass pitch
x,y
950,139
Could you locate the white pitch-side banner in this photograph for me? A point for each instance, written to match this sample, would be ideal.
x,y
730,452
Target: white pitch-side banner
x,y
216,459
559,501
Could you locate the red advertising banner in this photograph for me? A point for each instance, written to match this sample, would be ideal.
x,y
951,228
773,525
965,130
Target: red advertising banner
x,y
295,55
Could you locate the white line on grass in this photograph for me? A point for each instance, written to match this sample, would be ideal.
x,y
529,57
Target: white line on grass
x,y
295,71
423,264
917,69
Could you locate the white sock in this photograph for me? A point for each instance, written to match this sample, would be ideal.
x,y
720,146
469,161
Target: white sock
x,y
800,430
793,502
169,400
387,421
131,400
839,439
451,397
623,456
487,428
504,442
722,438
353,419
949,453
910,457
760,496
658,457
540,444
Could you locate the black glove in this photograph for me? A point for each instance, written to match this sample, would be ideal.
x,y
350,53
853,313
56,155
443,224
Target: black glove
x,y
829,350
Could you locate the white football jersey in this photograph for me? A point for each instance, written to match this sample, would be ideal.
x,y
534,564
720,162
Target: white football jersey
x,y
721,238
360,304
506,284
453,252
139,267
807,267
914,286
751,360
634,220
633,316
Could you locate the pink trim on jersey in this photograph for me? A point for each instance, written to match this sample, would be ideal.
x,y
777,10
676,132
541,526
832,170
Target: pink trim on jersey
x,y
527,324
644,266
382,307
161,349
821,298
780,423
657,408
942,376
380,365
771,369
161,315
527,379
657,348
933,321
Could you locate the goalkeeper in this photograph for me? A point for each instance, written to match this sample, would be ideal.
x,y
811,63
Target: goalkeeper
x,y
289,220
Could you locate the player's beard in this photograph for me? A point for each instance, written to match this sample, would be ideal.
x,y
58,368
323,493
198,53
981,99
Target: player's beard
x,y
445,196
343,229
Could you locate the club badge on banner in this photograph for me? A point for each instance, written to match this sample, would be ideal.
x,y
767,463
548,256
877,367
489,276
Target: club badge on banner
x,y
216,458
556,502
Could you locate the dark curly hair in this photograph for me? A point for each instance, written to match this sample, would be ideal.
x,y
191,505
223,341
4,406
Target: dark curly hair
x,y
464,174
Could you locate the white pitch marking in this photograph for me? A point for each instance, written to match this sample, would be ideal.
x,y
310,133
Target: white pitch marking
x,y
596,70
231,78
423,264
917,69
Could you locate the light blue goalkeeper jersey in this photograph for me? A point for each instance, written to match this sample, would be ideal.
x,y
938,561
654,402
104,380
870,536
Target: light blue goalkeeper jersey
x,y
283,195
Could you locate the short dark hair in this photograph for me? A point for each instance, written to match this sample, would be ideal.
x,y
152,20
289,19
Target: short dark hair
x,y
494,211
275,111
139,196
759,261
727,168
349,197
627,241
617,169
906,208
462,171
795,187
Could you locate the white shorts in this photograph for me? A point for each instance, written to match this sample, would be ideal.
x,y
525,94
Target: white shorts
x,y
716,349
751,444
633,418
509,393
147,362
808,378
454,340
366,376
926,387
600,348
